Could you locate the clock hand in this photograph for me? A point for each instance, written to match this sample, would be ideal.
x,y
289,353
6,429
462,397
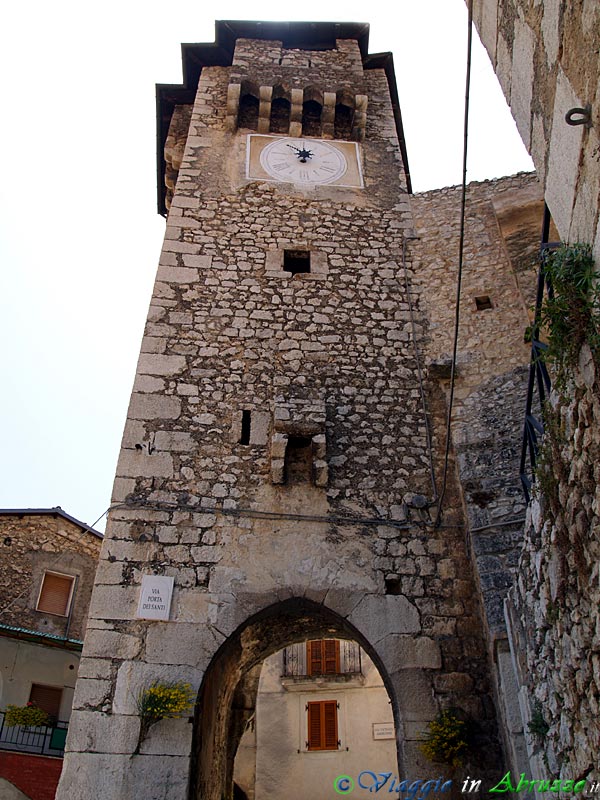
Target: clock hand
x,y
302,154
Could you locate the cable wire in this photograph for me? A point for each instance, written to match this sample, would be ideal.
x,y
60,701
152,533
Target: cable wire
x,y
461,247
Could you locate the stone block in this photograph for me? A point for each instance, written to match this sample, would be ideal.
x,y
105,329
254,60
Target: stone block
x,y
321,473
159,364
175,441
259,427
152,406
135,676
178,274
94,732
563,157
379,616
97,668
91,693
415,695
169,737
114,602
522,79
408,652
453,683
111,643
136,463
181,643
92,774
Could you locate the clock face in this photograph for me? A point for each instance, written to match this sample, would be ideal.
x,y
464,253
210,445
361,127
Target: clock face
x,y
307,161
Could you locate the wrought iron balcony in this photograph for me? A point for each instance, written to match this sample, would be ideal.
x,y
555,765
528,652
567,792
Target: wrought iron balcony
x,y
45,740
296,662
539,386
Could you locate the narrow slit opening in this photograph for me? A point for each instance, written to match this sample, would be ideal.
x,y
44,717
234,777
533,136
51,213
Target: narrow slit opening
x,y
245,433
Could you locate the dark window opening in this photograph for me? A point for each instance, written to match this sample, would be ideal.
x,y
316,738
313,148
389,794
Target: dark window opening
x,y
311,118
245,432
296,261
344,117
280,115
298,460
248,112
483,303
393,586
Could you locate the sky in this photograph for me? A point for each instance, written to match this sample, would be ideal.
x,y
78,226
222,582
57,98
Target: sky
x,y
80,236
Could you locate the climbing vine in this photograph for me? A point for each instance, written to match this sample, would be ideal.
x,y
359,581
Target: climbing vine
x,y
570,314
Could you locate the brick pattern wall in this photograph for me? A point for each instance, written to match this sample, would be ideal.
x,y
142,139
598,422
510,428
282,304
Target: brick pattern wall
x,y
35,776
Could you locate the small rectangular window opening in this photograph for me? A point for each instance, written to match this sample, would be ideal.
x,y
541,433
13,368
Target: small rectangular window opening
x,y
296,261
298,460
245,433
48,698
483,303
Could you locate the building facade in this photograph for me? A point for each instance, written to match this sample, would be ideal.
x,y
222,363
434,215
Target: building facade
x,y
47,573
320,705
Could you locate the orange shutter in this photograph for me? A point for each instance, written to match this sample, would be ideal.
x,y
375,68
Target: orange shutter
x,y
47,698
331,660
55,594
323,657
314,726
315,657
322,725
330,732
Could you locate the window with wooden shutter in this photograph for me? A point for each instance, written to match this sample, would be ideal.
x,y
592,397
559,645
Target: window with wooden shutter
x,y
322,725
48,698
323,657
55,594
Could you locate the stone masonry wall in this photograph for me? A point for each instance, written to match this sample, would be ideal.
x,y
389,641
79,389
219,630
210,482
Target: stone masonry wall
x,y
545,55
554,604
32,544
503,220
328,354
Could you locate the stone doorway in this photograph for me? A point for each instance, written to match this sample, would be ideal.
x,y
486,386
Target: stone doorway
x,y
228,694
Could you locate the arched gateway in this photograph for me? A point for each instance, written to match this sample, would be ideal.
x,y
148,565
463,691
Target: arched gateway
x,y
274,482
227,697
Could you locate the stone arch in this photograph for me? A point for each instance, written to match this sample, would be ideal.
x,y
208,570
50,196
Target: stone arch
x,y
312,112
280,110
229,686
344,115
248,106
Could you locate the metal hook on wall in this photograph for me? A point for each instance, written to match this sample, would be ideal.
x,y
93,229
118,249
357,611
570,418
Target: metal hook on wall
x,y
579,116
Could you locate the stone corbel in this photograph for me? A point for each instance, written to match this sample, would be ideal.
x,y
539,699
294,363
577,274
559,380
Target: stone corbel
x,y
278,447
264,109
296,112
359,124
233,106
306,419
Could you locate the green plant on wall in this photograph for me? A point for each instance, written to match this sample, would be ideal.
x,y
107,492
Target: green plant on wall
x,y
446,739
29,716
570,316
537,725
161,701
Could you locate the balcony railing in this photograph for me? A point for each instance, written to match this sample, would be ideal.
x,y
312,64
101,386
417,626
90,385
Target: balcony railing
x,y
539,386
295,662
42,740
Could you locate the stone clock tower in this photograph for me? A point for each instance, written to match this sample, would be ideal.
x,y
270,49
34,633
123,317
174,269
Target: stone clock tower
x,y
274,483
